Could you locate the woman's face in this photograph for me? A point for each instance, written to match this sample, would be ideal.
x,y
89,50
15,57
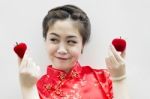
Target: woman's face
x,y
64,44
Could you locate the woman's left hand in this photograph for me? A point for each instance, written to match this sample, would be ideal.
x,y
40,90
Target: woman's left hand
x,y
116,63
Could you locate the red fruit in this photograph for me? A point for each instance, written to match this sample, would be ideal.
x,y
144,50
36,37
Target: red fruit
x,y
20,49
119,44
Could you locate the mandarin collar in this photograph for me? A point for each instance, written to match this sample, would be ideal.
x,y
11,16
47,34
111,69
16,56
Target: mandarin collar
x,y
73,73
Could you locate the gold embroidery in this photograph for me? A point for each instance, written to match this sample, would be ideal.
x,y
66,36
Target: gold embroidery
x,y
62,76
59,92
75,74
48,86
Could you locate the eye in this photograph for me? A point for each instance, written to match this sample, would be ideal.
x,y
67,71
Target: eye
x,y
54,40
71,42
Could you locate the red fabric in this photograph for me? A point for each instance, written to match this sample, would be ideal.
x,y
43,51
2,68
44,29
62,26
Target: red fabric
x,y
80,83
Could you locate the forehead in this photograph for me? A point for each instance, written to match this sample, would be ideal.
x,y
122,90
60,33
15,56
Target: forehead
x,y
64,27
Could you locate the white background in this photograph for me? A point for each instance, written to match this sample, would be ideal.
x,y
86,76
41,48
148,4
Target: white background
x,y
21,21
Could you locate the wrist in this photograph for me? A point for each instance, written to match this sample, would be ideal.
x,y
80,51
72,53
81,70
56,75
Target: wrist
x,y
118,78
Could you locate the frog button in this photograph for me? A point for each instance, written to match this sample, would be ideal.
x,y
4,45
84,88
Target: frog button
x,y
48,86
62,76
74,74
59,92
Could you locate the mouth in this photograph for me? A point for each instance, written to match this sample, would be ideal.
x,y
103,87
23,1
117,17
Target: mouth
x,y
62,58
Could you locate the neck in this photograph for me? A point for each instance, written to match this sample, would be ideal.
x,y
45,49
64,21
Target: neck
x,y
65,68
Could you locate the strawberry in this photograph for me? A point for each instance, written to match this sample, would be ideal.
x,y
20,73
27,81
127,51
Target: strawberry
x,y
119,44
20,49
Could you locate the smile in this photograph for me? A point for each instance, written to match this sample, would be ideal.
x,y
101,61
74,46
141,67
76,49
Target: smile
x,y
61,58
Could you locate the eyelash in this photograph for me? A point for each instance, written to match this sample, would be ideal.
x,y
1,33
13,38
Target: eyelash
x,y
71,42
53,40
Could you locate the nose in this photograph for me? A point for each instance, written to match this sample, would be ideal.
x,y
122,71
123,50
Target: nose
x,y
62,49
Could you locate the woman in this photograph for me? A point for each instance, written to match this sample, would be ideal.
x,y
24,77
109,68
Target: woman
x,y
66,30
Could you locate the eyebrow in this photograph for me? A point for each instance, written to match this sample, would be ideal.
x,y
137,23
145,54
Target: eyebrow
x,y
54,34
70,36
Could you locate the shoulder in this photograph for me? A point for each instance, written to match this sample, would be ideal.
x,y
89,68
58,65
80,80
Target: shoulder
x,y
97,71
42,81
102,75
43,85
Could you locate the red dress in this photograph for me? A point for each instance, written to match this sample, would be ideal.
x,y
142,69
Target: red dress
x,y
82,82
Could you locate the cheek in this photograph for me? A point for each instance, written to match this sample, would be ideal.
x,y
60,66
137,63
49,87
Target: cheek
x,y
50,49
76,52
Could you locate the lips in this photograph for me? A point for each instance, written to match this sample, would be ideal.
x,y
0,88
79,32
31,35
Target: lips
x,y
62,58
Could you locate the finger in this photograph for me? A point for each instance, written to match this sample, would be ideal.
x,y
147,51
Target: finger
x,y
114,62
108,63
23,63
29,61
33,69
31,65
123,54
116,54
19,61
23,66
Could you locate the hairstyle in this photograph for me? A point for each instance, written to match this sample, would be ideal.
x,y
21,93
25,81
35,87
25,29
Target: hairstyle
x,y
72,12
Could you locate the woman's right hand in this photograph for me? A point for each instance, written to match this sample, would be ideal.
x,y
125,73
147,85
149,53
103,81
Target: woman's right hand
x,y
28,71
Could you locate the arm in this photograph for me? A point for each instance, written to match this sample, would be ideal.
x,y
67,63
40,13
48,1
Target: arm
x,y
116,66
120,89
28,74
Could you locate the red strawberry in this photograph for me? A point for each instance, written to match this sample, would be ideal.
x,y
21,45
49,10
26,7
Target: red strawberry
x,y
119,44
20,49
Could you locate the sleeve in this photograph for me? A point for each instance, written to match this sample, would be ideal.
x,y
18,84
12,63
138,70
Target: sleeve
x,y
103,77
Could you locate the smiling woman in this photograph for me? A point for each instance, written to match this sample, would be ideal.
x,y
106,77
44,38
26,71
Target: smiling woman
x,y
66,30
64,44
